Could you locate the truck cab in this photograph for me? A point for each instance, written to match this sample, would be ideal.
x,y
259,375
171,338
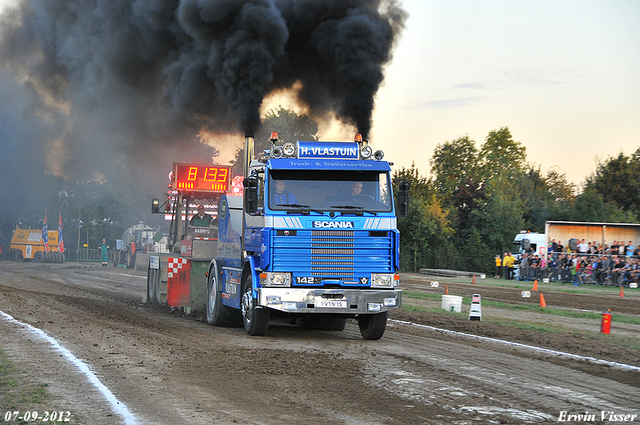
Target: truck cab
x,y
319,241
529,242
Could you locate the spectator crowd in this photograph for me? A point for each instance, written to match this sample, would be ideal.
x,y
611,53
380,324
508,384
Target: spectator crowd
x,y
587,262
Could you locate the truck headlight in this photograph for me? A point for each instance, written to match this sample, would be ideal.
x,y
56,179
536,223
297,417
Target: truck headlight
x,y
275,279
366,152
374,306
289,149
379,280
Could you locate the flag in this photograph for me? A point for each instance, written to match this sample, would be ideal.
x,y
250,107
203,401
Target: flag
x,y
45,233
60,241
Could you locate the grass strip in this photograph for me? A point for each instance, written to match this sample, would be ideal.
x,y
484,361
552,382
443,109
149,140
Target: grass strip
x,y
536,327
615,317
15,393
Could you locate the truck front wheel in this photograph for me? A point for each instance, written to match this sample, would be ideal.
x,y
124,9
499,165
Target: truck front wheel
x,y
372,326
254,319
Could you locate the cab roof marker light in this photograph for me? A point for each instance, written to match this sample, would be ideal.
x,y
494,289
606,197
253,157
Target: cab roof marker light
x,y
274,136
358,138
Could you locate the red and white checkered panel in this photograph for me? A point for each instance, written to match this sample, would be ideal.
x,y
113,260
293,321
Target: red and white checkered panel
x,y
175,264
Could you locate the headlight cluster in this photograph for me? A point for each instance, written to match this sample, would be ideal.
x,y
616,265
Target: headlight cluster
x,y
288,150
366,153
275,279
379,280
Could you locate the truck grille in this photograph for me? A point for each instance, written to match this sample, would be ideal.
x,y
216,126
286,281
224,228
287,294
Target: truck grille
x,y
333,254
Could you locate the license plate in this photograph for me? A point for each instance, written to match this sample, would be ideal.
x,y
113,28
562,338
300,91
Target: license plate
x,y
331,303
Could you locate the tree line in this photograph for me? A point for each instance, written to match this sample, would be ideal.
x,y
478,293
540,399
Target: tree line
x,y
475,199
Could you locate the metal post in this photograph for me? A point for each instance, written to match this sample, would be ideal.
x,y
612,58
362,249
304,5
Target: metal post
x,y
78,247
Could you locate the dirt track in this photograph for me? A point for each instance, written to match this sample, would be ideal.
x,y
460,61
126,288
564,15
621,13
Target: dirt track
x,y
168,369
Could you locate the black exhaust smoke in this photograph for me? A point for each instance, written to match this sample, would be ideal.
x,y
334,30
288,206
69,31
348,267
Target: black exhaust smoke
x,y
336,49
130,74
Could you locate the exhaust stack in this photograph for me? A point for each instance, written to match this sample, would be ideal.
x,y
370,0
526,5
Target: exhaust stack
x,y
249,147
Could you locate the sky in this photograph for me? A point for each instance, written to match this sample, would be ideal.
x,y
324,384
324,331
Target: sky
x,y
563,76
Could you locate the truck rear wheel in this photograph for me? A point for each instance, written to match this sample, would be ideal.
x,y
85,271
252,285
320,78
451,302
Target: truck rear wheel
x,y
254,319
372,326
219,314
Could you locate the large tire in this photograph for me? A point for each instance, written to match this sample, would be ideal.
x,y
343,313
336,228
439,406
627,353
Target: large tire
x,y
19,256
372,326
255,320
219,314
38,257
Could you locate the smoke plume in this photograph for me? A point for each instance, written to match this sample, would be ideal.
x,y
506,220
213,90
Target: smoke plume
x,y
122,79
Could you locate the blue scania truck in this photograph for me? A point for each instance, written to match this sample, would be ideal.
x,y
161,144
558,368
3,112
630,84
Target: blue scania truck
x,y
312,237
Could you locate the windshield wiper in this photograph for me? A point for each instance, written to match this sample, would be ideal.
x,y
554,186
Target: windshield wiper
x,y
305,208
347,207
359,211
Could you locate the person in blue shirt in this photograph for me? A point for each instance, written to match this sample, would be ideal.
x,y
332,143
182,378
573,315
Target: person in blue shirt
x,y
630,249
282,196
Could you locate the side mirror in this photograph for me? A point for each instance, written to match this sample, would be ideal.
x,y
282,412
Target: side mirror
x,y
155,206
402,209
250,195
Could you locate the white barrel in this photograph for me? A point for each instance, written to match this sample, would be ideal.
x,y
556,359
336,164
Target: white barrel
x,y
452,303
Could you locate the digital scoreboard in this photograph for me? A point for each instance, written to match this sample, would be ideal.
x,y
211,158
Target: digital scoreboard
x,y
201,178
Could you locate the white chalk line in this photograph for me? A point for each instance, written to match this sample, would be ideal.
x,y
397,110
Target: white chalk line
x,y
117,406
517,344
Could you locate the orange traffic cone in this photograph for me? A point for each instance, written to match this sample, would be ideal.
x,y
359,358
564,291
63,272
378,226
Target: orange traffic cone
x,y
446,289
474,279
621,291
535,285
543,304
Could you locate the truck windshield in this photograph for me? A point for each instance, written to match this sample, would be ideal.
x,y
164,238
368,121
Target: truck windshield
x,y
323,190
517,247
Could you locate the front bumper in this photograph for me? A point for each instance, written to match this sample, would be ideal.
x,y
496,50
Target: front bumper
x,y
339,301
